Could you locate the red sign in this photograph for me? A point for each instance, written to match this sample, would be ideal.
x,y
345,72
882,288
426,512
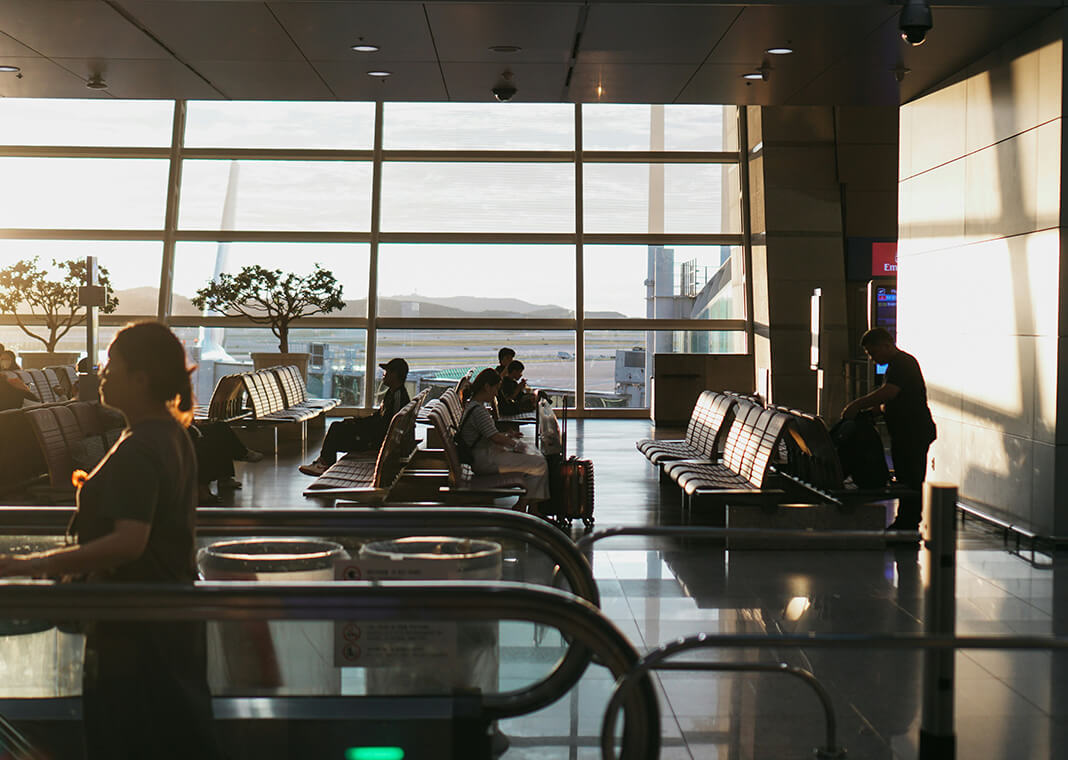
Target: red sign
x,y
884,259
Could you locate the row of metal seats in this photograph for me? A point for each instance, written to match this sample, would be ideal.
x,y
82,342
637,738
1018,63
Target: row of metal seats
x,y
51,385
49,441
368,476
272,395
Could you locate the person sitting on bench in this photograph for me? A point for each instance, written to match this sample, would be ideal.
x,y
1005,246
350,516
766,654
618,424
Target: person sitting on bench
x,y
514,396
494,452
504,360
364,433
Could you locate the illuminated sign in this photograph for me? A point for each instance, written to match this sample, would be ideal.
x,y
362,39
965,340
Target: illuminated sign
x,y
884,259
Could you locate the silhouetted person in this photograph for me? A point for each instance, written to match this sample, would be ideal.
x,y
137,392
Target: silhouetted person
x,y
504,358
363,433
144,684
903,396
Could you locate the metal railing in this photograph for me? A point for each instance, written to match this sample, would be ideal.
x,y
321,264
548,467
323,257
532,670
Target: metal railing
x,y
581,622
466,522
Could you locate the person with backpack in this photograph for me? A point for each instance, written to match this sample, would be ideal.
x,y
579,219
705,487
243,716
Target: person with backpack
x,y
491,452
903,397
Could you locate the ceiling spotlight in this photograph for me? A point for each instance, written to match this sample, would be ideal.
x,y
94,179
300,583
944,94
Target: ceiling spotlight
x,y
505,89
380,74
915,21
96,82
363,47
900,71
783,50
9,69
759,75
505,48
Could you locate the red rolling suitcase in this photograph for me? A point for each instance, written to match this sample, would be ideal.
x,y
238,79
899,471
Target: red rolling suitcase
x,y
570,486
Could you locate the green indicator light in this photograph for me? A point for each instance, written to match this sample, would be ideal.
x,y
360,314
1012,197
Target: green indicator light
x,y
374,753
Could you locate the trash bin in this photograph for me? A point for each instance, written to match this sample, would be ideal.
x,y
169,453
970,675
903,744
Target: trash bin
x,y
271,657
434,657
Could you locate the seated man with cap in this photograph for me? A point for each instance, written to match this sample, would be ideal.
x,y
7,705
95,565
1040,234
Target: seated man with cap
x,y
363,433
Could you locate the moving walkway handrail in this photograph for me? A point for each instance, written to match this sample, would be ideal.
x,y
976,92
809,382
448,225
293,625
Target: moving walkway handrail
x,y
847,538
361,521
576,618
655,660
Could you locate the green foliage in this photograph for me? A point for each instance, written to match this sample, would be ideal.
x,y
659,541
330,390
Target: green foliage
x,y
272,297
25,286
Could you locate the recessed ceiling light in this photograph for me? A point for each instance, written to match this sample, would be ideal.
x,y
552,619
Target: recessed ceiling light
x,y
753,76
9,69
363,47
381,74
783,50
505,48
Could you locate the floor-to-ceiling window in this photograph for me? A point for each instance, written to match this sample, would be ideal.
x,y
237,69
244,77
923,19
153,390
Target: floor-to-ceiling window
x,y
587,237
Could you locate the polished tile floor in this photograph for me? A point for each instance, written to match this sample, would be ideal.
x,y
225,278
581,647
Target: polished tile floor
x,y
1008,705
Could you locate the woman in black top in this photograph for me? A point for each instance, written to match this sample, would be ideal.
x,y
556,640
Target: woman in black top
x,y
144,685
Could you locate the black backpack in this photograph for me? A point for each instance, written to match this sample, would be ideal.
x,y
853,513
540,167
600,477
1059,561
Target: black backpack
x,y
464,452
860,450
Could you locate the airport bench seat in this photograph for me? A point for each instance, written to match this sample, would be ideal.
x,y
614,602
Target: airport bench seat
x,y
367,476
705,432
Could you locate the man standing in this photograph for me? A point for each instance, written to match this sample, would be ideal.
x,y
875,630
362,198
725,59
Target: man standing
x,y
363,433
903,396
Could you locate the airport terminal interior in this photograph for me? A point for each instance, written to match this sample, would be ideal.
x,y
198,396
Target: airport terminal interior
x,y
682,217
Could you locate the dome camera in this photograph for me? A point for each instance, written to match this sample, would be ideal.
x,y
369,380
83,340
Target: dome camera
x,y
915,21
505,89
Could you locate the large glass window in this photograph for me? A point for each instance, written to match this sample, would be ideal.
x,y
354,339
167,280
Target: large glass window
x,y
477,222
664,282
619,363
103,122
336,365
83,193
491,281
614,126
266,124
478,197
133,266
655,198
442,356
276,195
473,126
197,263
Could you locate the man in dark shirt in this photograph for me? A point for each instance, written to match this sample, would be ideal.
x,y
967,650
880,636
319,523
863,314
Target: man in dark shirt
x,y
903,396
362,433
514,397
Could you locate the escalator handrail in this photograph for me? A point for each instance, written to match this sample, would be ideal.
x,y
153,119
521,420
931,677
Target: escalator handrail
x,y
582,622
409,520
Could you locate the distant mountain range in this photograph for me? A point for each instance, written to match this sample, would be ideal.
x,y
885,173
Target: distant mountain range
x,y
143,301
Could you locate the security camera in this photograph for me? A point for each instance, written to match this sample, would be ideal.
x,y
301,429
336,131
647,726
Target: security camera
x,y
504,90
915,21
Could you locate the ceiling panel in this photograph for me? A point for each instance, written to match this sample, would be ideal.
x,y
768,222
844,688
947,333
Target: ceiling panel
x,y
265,80
9,46
629,82
640,33
44,78
638,51
75,29
818,34
216,31
465,31
326,31
418,80
534,82
142,78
